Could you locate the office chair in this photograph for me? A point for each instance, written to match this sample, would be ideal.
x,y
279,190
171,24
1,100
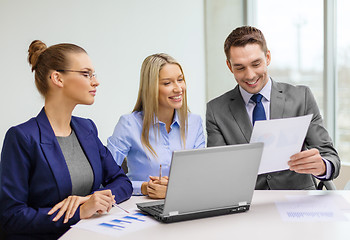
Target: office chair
x,y
124,165
329,185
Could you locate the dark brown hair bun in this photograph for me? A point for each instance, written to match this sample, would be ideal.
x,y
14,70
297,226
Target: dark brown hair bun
x,y
34,51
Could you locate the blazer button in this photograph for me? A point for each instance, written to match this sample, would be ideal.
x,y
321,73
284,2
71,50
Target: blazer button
x,y
268,177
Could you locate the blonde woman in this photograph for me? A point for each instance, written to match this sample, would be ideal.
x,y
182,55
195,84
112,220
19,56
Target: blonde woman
x,y
159,124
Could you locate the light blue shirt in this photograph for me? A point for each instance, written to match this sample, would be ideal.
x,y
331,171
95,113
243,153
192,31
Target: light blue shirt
x,y
126,142
266,92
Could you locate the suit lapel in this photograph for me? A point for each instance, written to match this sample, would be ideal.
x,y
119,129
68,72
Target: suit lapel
x,y
239,113
277,101
88,144
54,155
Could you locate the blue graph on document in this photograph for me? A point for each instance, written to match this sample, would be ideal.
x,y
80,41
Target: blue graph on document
x,y
123,222
310,214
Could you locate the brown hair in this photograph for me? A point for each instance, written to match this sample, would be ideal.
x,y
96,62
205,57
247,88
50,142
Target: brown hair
x,y
147,100
242,36
44,59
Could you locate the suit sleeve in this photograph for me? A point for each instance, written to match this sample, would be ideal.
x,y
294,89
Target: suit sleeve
x,y
114,177
318,137
215,137
16,214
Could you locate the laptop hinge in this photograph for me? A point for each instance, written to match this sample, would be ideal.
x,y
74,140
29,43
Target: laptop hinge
x,y
173,213
242,204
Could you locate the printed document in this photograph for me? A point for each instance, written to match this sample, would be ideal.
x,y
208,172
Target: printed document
x,y
314,208
117,224
282,138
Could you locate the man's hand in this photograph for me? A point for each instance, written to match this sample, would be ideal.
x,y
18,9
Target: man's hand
x,y
309,162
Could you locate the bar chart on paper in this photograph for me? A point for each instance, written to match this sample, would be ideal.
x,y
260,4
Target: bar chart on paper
x,y
117,224
314,208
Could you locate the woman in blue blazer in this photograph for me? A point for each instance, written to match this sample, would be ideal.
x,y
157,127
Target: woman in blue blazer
x,y
54,170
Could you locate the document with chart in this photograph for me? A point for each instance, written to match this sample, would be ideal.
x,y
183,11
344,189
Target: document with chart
x,y
314,208
117,224
282,138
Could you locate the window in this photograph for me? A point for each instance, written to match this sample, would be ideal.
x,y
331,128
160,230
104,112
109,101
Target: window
x,y
343,71
294,36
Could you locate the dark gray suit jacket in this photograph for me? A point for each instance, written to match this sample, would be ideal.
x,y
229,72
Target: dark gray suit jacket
x,y
228,123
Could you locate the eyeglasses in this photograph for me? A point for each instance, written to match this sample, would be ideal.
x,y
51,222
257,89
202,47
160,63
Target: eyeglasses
x,y
87,74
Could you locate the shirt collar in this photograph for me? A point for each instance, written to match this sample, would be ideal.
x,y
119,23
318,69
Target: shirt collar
x,y
176,120
266,92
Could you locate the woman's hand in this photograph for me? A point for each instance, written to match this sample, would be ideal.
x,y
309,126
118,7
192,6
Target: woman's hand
x,y
100,202
163,180
68,206
157,188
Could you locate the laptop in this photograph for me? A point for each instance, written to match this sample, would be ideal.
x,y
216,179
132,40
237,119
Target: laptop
x,y
208,182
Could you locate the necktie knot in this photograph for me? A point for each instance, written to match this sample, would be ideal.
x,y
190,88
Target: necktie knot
x,y
256,98
259,111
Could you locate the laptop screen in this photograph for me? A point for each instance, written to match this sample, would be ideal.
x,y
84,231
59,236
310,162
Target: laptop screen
x,y
212,178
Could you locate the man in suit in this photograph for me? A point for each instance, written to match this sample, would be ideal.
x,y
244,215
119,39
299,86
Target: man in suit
x,y
230,117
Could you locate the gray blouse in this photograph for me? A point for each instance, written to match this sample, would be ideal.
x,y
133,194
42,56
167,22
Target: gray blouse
x,y
79,166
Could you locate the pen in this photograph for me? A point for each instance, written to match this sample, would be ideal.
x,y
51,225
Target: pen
x,y
116,205
160,172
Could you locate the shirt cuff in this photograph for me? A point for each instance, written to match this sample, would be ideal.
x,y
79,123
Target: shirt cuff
x,y
328,173
137,188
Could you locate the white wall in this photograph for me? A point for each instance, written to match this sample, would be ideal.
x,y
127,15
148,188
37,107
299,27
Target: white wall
x,y
117,34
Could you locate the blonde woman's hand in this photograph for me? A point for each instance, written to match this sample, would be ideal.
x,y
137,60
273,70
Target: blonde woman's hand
x,y
157,189
163,181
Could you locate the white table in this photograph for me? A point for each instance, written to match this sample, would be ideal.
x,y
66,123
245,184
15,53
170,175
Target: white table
x,y
262,221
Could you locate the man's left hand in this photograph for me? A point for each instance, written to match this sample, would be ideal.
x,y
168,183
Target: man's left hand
x,y
309,162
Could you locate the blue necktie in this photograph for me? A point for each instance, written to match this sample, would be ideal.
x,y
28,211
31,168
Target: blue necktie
x,y
259,111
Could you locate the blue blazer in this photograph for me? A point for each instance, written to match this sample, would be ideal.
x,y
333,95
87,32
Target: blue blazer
x,y
34,176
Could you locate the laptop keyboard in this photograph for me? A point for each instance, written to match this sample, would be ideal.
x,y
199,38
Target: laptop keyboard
x,y
157,208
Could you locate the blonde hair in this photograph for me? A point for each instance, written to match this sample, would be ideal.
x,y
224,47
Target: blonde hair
x,y
147,100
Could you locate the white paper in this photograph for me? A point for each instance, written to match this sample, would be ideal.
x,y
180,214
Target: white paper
x,y
282,138
313,208
117,224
